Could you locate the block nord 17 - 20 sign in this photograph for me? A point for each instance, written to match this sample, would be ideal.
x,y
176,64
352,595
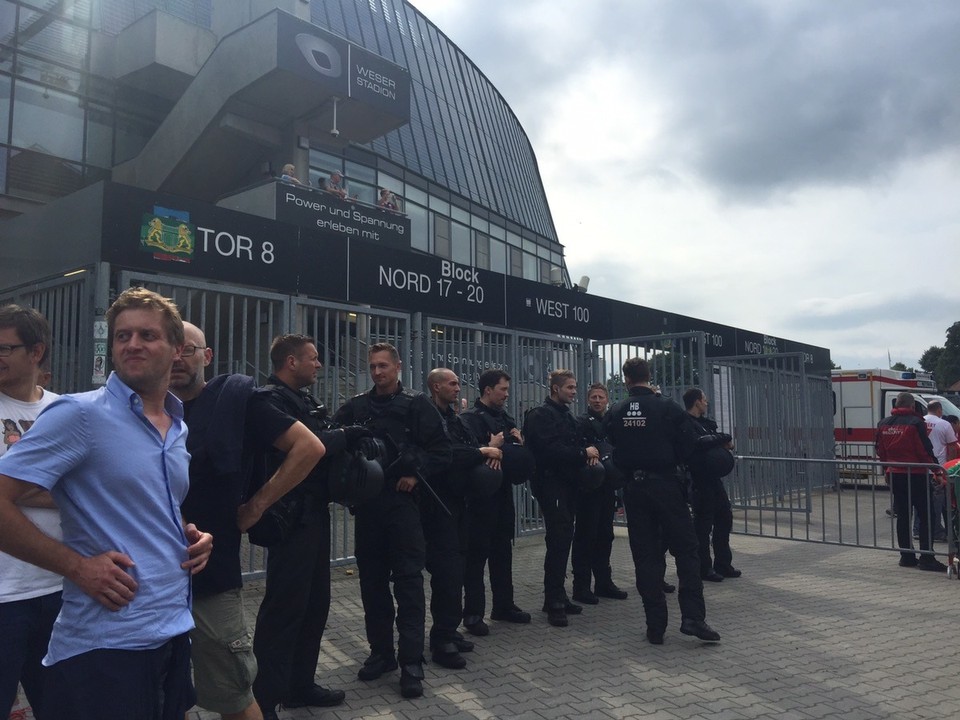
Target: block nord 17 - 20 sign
x,y
425,283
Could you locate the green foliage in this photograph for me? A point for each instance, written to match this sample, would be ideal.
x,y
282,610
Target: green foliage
x,y
898,366
930,358
948,364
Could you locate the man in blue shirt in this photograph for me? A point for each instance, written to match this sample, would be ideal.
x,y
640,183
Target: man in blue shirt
x,y
115,461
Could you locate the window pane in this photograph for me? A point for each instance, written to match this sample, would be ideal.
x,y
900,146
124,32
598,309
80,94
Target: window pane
x,y
530,269
440,206
483,251
47,121
516,262
4,108
498,256
441,236
419,227
415,194
461,244
362,191
390,183
356,171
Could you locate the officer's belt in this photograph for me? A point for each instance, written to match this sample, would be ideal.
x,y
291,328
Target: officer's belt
x,y
646,475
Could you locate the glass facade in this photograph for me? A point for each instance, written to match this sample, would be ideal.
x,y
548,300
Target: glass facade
x,y
462,169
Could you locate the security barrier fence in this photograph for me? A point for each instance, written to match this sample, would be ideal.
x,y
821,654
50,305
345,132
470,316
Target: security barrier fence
x,y
768,403
820,506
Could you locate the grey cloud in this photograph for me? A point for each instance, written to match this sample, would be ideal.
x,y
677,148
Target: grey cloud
x,y
760,97
893,307
769,97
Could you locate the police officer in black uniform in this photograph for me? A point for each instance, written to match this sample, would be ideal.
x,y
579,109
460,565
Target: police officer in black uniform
x,y
652,436
593,533
561,452
389,542
444,527
712,513
491,520
293,614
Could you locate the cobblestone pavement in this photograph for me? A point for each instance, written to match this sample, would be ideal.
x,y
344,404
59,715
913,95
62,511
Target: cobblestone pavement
x,y
809,631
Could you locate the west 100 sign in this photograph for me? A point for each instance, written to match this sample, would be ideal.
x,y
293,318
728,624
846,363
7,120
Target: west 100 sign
x,y
415,282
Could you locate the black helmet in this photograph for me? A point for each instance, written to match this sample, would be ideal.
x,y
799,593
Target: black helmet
x,y
518,463
482,481
591,477
613,477
355,477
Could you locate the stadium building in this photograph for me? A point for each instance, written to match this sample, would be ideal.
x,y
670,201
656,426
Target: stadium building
x,y
144,142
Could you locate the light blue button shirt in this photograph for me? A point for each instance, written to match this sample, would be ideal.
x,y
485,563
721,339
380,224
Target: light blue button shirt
x,y
119,486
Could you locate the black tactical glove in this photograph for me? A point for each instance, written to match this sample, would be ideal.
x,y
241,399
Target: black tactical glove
x,y
353,433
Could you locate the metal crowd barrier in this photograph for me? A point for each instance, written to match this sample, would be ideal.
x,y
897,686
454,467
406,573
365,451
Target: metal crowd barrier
x,y
836,502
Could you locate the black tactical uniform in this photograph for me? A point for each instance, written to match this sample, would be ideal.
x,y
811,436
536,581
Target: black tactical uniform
x,y
593,534
445,535
709,500
652,436
490,528
296,602
389,542
554,437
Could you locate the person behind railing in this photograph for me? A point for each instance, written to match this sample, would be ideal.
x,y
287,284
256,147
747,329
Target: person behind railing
x,y
902,437
712,513
944,440
334,185
288,174
387,200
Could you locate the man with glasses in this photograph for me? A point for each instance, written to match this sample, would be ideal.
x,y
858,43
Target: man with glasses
x,y
29,595
231,427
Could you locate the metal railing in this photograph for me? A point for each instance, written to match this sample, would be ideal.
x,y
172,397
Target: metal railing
x,y
813,500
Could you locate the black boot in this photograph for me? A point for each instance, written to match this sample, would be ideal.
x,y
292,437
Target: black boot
x,y
411,680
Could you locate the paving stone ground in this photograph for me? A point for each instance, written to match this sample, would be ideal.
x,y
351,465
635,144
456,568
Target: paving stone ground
x,y
809,631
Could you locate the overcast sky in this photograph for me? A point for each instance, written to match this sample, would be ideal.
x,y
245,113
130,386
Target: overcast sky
x,y
788,167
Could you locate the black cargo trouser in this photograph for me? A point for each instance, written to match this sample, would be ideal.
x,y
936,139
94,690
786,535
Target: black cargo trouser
x,y
389,545
593,537
713,520
557,499
490,528
293,613
657,514
442,533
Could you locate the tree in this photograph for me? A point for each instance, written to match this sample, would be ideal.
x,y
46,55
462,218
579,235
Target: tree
x,y
898,366
930,358
948,364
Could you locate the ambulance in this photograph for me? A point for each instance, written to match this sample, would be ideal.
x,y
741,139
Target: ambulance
x,y
862,398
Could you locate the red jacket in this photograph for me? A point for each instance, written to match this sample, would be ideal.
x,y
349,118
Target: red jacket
x,y
903,437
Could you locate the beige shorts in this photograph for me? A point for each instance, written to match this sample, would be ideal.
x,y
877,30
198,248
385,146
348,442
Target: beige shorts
x,y
224,666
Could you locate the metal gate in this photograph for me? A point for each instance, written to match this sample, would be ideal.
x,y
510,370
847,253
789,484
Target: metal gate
x,y
677,362
66,304
528,358
239,325
766,402
775,410
343,335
